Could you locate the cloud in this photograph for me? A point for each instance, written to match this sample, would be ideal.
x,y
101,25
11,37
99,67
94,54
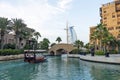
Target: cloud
x,y
64,4
37,14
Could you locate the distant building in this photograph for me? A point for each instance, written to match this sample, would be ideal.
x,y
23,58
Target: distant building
x,y
10,38
72,37
92,29
110,17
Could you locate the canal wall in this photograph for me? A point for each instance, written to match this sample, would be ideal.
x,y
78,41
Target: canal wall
x,y
11,57
113,59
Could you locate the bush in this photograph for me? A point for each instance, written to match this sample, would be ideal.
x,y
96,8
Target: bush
x,y
5,52
75,51
113,52
9,46
99,52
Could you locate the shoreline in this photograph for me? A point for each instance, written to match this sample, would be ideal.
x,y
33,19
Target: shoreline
x,y
11,57
113,59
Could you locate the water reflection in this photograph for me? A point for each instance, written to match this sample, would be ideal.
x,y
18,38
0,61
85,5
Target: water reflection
x,y
18,70
58,68
99,71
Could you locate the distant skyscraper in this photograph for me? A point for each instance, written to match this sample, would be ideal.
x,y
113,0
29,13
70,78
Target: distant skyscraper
x,y
72,37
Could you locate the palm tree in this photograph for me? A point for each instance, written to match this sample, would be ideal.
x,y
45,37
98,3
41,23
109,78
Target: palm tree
x,y
100,29
58,39
108,42
28,33
3,25
87,45
118,45
94,37
77,44
37,35
18,26
99,35
44,44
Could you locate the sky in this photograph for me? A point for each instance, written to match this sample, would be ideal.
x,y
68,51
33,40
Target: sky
x,y
49,17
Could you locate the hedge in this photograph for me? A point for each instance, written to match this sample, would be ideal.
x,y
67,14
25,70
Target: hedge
x,y
5,52
99,52
113,52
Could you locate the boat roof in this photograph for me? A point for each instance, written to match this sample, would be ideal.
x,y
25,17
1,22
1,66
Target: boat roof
x,y
36,51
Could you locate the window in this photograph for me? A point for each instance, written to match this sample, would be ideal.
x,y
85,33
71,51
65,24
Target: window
x,y
118,27
105,11
118,22
118,36
105,17
111,28
113,16
118,15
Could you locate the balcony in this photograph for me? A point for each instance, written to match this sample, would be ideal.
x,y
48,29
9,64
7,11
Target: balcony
x,y
117,9
100,14
100,9
101,21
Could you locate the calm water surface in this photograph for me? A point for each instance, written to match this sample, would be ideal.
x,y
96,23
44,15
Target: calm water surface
x,y
58,68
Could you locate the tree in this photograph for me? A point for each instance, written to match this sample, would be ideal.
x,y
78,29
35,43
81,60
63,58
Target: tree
x,y
99,35
18,26
53,44
94,37
58,39
44,44
77,43
87,45
3,25
109,41
37,35
118,45
100,31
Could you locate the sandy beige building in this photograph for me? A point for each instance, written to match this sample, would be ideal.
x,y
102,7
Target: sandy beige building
x,y
110,17
92,29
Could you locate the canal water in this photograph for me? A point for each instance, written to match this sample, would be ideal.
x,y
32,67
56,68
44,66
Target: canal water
x,y
58,68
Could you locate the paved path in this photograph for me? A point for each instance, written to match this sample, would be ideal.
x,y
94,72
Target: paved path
x,y
113,59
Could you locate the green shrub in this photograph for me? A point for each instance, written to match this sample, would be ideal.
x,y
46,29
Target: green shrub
x,y
5,52
75,51
9,46
99,52
113,52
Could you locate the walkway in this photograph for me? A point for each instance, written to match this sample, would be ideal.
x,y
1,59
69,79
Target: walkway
x,y
113,59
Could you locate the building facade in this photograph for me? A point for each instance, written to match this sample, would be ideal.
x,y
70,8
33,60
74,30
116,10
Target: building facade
x,y
10,38
92,29
110,17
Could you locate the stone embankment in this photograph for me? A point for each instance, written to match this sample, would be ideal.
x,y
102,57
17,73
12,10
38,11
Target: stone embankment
x,y
11,57
113,59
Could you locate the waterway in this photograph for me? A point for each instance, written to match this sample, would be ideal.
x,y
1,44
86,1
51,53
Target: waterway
x,y
58,68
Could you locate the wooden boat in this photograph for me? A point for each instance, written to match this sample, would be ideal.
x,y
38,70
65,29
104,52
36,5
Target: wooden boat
x,y
30,56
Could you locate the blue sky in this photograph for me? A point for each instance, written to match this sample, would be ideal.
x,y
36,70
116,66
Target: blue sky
x,y
49,16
